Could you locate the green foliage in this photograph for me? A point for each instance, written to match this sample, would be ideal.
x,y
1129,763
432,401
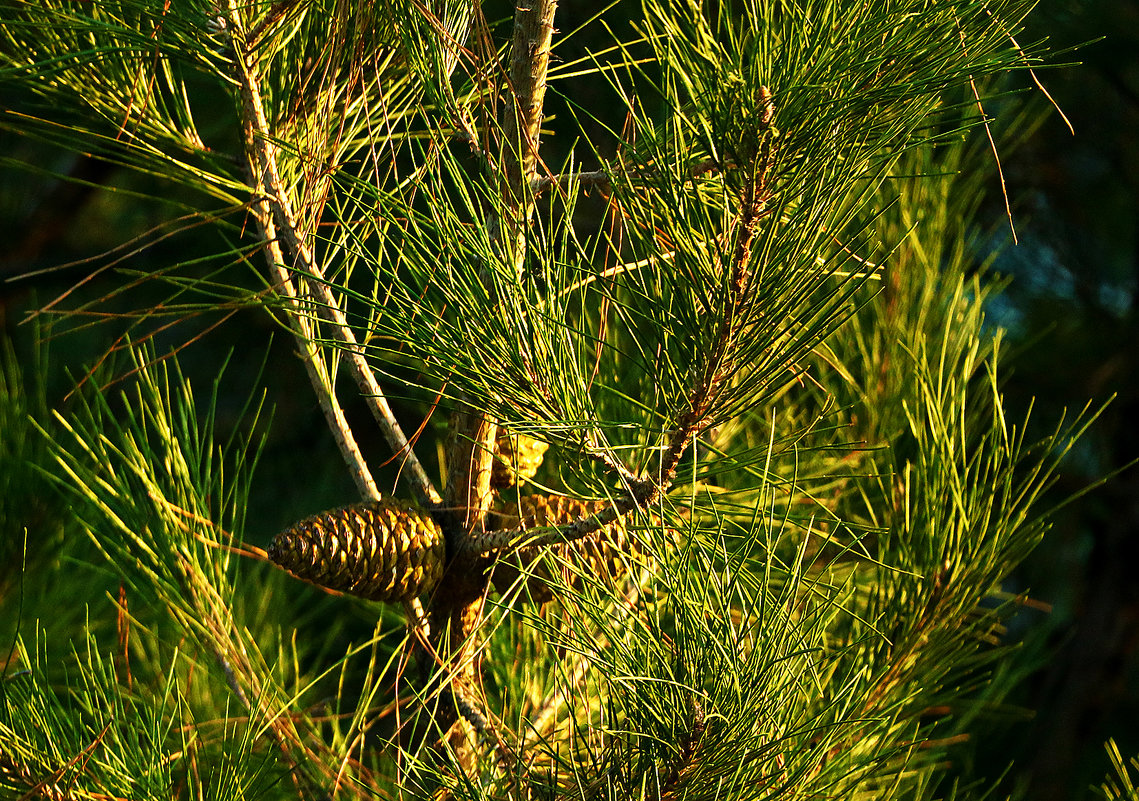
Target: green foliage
x,y
32,522
153,472
104,739
115,80
18,455
764,349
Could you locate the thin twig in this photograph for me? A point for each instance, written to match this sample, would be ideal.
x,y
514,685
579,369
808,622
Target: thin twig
x,y
318,375
604,456
996,158
421,484
564,180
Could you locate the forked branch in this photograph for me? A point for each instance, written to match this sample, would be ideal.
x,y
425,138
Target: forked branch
x,y
262,155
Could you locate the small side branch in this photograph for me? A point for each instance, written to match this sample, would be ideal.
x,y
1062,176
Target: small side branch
x,y
565,180
992,140
719,365
605,457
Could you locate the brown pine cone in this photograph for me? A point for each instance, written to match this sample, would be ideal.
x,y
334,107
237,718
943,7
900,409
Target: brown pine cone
x,y
605,555
516,456
383,551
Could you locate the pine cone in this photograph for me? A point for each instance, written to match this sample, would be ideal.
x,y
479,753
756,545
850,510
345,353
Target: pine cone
x,y
605,554
383,551
515,456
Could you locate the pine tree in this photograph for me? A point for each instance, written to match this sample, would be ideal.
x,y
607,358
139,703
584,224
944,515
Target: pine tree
x,y
727,493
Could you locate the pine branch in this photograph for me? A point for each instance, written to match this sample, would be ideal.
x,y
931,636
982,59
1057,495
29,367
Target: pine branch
x,y
313,359
529,64
262,169
473,433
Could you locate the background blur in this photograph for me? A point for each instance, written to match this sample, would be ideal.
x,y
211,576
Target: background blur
x,y
1071,311
1073,304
